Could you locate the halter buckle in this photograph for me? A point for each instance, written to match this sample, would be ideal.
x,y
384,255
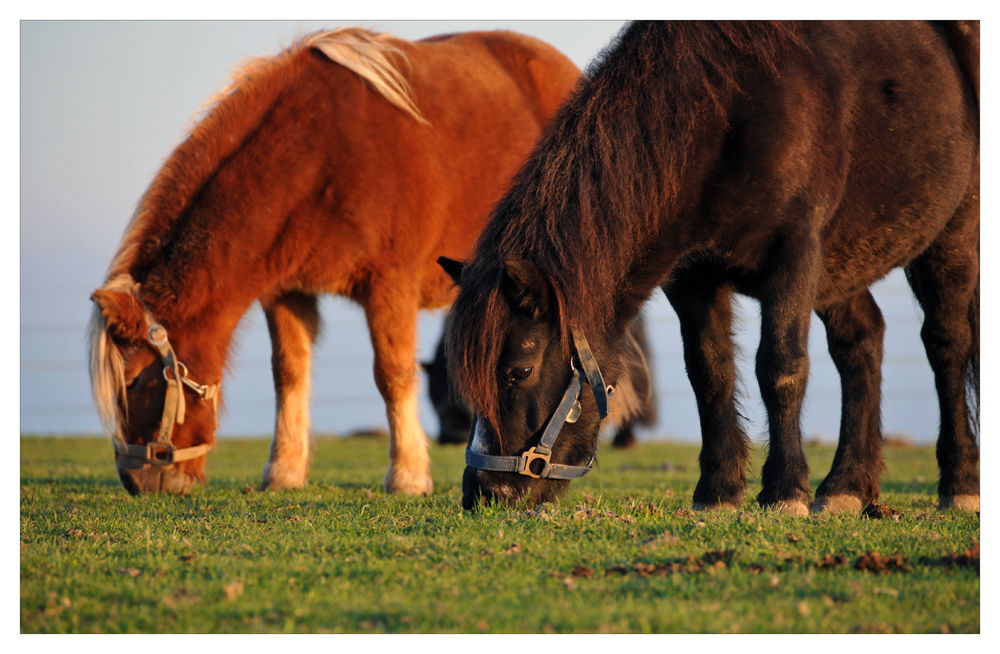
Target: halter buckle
x,y
155,447
530,457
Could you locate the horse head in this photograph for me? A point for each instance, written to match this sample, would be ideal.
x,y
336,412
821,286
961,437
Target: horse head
x,y
142,372
540,407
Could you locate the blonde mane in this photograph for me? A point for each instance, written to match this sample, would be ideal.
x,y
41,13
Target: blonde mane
x,y
366,54
107,365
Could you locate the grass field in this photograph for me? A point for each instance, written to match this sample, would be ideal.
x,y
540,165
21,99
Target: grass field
x,y
621,553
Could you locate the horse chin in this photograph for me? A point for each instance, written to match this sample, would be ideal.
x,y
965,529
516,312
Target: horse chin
x,y
155,479
480,488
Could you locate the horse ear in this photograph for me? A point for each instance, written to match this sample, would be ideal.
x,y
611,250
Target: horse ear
x,y
453,268
123,312
527,287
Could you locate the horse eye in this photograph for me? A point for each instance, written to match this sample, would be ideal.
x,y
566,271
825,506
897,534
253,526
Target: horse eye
x,y
520,374
132,384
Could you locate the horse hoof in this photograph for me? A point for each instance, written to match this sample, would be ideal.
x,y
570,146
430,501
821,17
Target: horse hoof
x,y
717,506
961,502
837,504
282,484
281,478
795,508
400,482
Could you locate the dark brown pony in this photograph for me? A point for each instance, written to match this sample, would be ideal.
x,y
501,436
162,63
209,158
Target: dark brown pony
x,y
796,163
344,165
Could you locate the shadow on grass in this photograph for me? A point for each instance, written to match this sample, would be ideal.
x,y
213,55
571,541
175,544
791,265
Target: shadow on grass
x,y
82,482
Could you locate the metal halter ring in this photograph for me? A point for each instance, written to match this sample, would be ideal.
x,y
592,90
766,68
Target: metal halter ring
x,y
194,386
156,327
181,367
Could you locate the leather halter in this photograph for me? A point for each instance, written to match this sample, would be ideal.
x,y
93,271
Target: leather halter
x,y
162,452
568,411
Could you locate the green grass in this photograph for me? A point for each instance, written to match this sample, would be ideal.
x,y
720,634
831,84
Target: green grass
x,y
621,553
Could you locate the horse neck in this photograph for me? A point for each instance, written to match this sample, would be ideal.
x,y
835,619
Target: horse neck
x,y
206,244
607,205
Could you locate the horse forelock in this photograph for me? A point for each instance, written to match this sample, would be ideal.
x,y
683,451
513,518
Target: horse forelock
x,y
479,324
107,364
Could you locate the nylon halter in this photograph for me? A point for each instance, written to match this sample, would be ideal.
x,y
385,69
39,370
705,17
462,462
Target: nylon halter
x,y
162,452
568,411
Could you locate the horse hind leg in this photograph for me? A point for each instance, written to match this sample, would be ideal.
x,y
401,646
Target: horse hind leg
x,y
293,322
391,311
855,331
945,279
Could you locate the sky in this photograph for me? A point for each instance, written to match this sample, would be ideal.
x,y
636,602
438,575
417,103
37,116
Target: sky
x,y
102,103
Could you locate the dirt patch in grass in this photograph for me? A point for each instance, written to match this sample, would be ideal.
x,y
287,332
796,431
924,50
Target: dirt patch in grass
x,y
714,560
833,561
879,564
710,561
876,511
967,558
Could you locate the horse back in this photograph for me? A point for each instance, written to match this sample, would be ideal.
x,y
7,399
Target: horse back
x,y
865,141
403,190
910,124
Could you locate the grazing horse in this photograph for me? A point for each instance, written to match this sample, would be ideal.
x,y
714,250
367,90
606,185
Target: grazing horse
x,y
345,165
795,163
639,408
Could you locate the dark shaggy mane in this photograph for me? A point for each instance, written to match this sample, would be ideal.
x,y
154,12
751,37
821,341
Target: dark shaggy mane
x,y
584,206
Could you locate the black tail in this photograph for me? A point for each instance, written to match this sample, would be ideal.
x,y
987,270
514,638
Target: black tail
x,y
972,378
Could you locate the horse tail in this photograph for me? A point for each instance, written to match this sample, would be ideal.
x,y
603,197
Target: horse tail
x,y
648,416
963,37
366,54
972,375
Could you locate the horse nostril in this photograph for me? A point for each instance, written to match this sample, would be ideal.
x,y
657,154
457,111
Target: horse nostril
x,y
128,482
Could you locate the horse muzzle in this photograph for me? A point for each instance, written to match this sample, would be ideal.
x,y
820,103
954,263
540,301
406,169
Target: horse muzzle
x,y
149,478
483,488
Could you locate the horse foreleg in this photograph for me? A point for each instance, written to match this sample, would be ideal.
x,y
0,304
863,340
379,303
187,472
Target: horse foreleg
x,y
705,313
293,322
786,297
391,310
854,334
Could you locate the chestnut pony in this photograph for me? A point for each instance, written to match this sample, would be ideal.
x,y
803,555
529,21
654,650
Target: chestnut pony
x,y
796,163
345,165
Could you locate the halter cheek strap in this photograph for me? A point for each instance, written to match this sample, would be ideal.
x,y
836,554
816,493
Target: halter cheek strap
x,y
602,393
162,452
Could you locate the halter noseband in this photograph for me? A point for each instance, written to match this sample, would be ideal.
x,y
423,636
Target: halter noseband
x,y
162,452
568,411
